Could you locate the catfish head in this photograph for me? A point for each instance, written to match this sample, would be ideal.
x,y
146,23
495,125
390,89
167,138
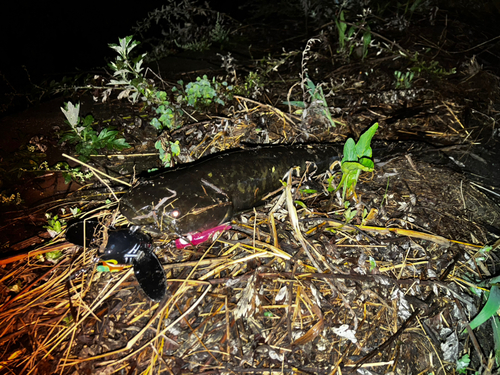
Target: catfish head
x,y
182,205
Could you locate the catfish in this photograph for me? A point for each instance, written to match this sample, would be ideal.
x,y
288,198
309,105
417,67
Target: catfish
x,y
207,193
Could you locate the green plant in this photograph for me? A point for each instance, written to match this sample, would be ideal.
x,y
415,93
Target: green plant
x,y
202,93
318,101
185,24
349,214
167,150
72,174
314,100
168,113
489,309
462,364
419,65
54,224
403,80
86,140
128,71
357,158
342,31
69,173
357,36
75,211
196,46
373,263
134,85
219,34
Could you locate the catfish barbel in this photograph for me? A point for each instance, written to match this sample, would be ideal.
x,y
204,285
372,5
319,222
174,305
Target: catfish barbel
x,y
208,192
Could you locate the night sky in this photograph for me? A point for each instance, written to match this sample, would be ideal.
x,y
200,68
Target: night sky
x,y
51,38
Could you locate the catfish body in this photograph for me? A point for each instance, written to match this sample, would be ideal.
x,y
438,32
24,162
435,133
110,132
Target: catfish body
x,y
208,192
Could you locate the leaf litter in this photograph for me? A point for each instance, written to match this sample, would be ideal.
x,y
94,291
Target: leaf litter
x,y
291,288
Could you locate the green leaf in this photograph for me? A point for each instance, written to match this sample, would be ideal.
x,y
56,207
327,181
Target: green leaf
x,y
301,204
363,147
157,124
68,320
311,86
308,191
120,144
373,263
71,112
350,214
350,151
462,364
75,211
367,165
296,104
495,322
489,309
351,166
162,95
87,122
54,255
175,148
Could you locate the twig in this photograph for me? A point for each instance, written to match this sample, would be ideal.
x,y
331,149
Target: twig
x,y
97,171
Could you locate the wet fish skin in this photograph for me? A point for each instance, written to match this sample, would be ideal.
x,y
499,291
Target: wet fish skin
x,y
208,192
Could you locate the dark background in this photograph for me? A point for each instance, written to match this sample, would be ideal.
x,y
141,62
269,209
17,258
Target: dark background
x,y
41,41
60,38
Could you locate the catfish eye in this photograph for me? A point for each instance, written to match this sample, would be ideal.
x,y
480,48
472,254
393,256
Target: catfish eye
x,y
175,214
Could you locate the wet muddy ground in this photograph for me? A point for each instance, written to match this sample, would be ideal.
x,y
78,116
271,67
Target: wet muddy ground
x,y
422,216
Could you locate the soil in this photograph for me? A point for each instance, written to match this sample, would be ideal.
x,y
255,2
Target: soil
x,y
437,173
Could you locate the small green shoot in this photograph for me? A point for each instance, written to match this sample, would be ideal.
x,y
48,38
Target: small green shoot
x,y
166,111
86,140
67,320
403,80
72,174
351,39
134,85
308,191
16,288
252,86
482,253
357,158
384,198
364,216
344,34
373,263
202,93
318,101
350,214
53,256
463,364
495,322
167,151
301,204
54,225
